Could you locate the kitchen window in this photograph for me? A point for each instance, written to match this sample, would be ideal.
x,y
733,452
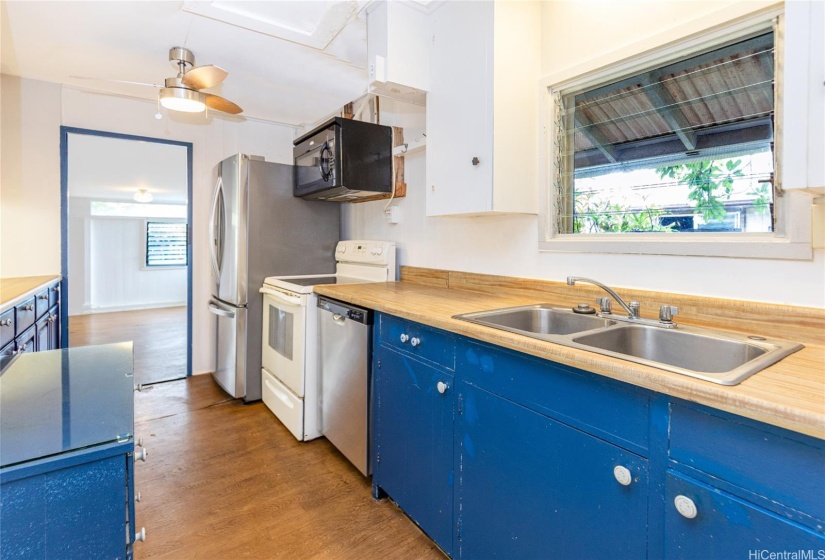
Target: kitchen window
x,y
674,152
166,244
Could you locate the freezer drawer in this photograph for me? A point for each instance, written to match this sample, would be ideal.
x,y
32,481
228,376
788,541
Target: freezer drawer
x,y
230,361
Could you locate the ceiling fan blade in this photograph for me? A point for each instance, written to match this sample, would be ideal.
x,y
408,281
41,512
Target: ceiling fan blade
x,y
218,103
116,81
204,77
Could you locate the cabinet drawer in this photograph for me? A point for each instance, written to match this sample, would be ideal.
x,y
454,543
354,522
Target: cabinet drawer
x,y
24,316
420,341
25,341
6,327
782,466
611,409
54,294
41,304
726,527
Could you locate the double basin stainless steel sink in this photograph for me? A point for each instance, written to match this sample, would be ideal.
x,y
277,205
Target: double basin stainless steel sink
x,y
718,357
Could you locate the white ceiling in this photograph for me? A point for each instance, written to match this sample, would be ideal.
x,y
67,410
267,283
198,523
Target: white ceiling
x,y
272,78
106,168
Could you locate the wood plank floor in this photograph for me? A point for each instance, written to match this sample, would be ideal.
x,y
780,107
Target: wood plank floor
x,y
227,480
159,336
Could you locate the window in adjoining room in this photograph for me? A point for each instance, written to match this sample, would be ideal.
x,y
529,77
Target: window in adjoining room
x,y
166,244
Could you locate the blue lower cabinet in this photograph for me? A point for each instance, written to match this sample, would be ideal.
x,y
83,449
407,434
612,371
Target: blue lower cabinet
x,y
413,440
71,507
521,458
705,523
532,487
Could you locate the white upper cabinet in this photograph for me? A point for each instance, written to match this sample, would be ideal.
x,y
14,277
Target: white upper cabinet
x,y
482,112
803,103
397,49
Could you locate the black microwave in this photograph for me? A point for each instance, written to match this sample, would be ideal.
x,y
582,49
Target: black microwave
x,y
343,160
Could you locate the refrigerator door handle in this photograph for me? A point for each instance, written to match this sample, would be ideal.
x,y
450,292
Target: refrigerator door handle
x,y
221,312
217,241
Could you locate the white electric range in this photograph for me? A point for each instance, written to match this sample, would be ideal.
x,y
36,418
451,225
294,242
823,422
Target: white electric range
x,y
290,384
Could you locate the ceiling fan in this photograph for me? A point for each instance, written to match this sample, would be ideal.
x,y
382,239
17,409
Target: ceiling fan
x,y
182,92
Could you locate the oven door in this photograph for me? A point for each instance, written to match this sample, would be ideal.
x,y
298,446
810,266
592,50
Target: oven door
x,y
283,346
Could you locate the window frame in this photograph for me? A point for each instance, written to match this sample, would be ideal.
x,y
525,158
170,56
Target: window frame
x,y
145,264
791,238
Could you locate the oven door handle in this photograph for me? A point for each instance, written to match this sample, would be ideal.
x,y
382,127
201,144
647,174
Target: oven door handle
x,y
280,296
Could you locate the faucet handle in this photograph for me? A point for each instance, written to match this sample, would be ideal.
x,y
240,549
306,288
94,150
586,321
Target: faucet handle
x,y
634,309
666,313
604,304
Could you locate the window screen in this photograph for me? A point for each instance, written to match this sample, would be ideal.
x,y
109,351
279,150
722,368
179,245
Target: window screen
x,y
685,147
166,244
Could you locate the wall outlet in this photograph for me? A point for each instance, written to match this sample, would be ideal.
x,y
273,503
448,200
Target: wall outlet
x,y
393,214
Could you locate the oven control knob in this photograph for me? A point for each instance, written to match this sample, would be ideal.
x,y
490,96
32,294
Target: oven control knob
x,y
342,248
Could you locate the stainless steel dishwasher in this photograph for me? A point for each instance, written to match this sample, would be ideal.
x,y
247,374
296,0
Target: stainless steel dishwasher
x,y
345,345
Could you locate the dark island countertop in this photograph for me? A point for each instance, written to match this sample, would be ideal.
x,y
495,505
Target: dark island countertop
x,y
63,400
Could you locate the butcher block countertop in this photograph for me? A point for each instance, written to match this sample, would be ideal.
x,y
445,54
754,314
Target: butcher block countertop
x,y
16,290
789,394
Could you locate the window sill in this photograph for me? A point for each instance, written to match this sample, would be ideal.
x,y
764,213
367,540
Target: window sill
x,y
170,267
750,247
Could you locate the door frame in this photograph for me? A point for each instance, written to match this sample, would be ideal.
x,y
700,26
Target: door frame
x,y
64,226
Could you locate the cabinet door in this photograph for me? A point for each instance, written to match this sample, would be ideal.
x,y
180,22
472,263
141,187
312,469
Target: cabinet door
x,y
413,441
41,336
532,487
726,527
54,328
460,110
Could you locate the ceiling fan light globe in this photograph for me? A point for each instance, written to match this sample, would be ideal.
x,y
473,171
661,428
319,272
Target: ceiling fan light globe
x,y
182,99
143,196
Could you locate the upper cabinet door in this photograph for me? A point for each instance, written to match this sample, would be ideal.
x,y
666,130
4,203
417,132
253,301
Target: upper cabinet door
x,y
460,110
482,108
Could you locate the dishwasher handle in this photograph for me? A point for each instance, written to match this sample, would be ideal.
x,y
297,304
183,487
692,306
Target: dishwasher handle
x,y
341,312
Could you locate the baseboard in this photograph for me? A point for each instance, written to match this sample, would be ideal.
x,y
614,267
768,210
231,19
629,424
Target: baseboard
x,y
90,310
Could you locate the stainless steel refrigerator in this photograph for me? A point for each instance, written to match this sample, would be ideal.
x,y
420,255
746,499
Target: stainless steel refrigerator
x,y
259,229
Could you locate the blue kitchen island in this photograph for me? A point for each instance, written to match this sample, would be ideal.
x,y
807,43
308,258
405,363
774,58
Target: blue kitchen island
x,y
67,454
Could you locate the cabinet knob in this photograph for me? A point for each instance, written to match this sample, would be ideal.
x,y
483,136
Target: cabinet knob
x,y
5,323
139,442
43,296
622,475
56,288
476,161
139,388
141,535
442,387
404,337
137,496
685,506
415,341
29,307
141,455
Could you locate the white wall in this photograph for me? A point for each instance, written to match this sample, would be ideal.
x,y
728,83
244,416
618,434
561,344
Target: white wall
x,y
32,183
106,259
29,178
508,245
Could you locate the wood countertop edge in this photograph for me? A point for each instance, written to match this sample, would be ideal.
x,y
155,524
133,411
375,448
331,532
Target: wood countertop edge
x,y
31,285
738,399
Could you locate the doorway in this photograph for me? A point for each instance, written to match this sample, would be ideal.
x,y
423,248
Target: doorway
x,y
126,252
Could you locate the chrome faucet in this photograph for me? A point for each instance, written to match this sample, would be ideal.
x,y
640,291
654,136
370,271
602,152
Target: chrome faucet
x,y
632,308
666,312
